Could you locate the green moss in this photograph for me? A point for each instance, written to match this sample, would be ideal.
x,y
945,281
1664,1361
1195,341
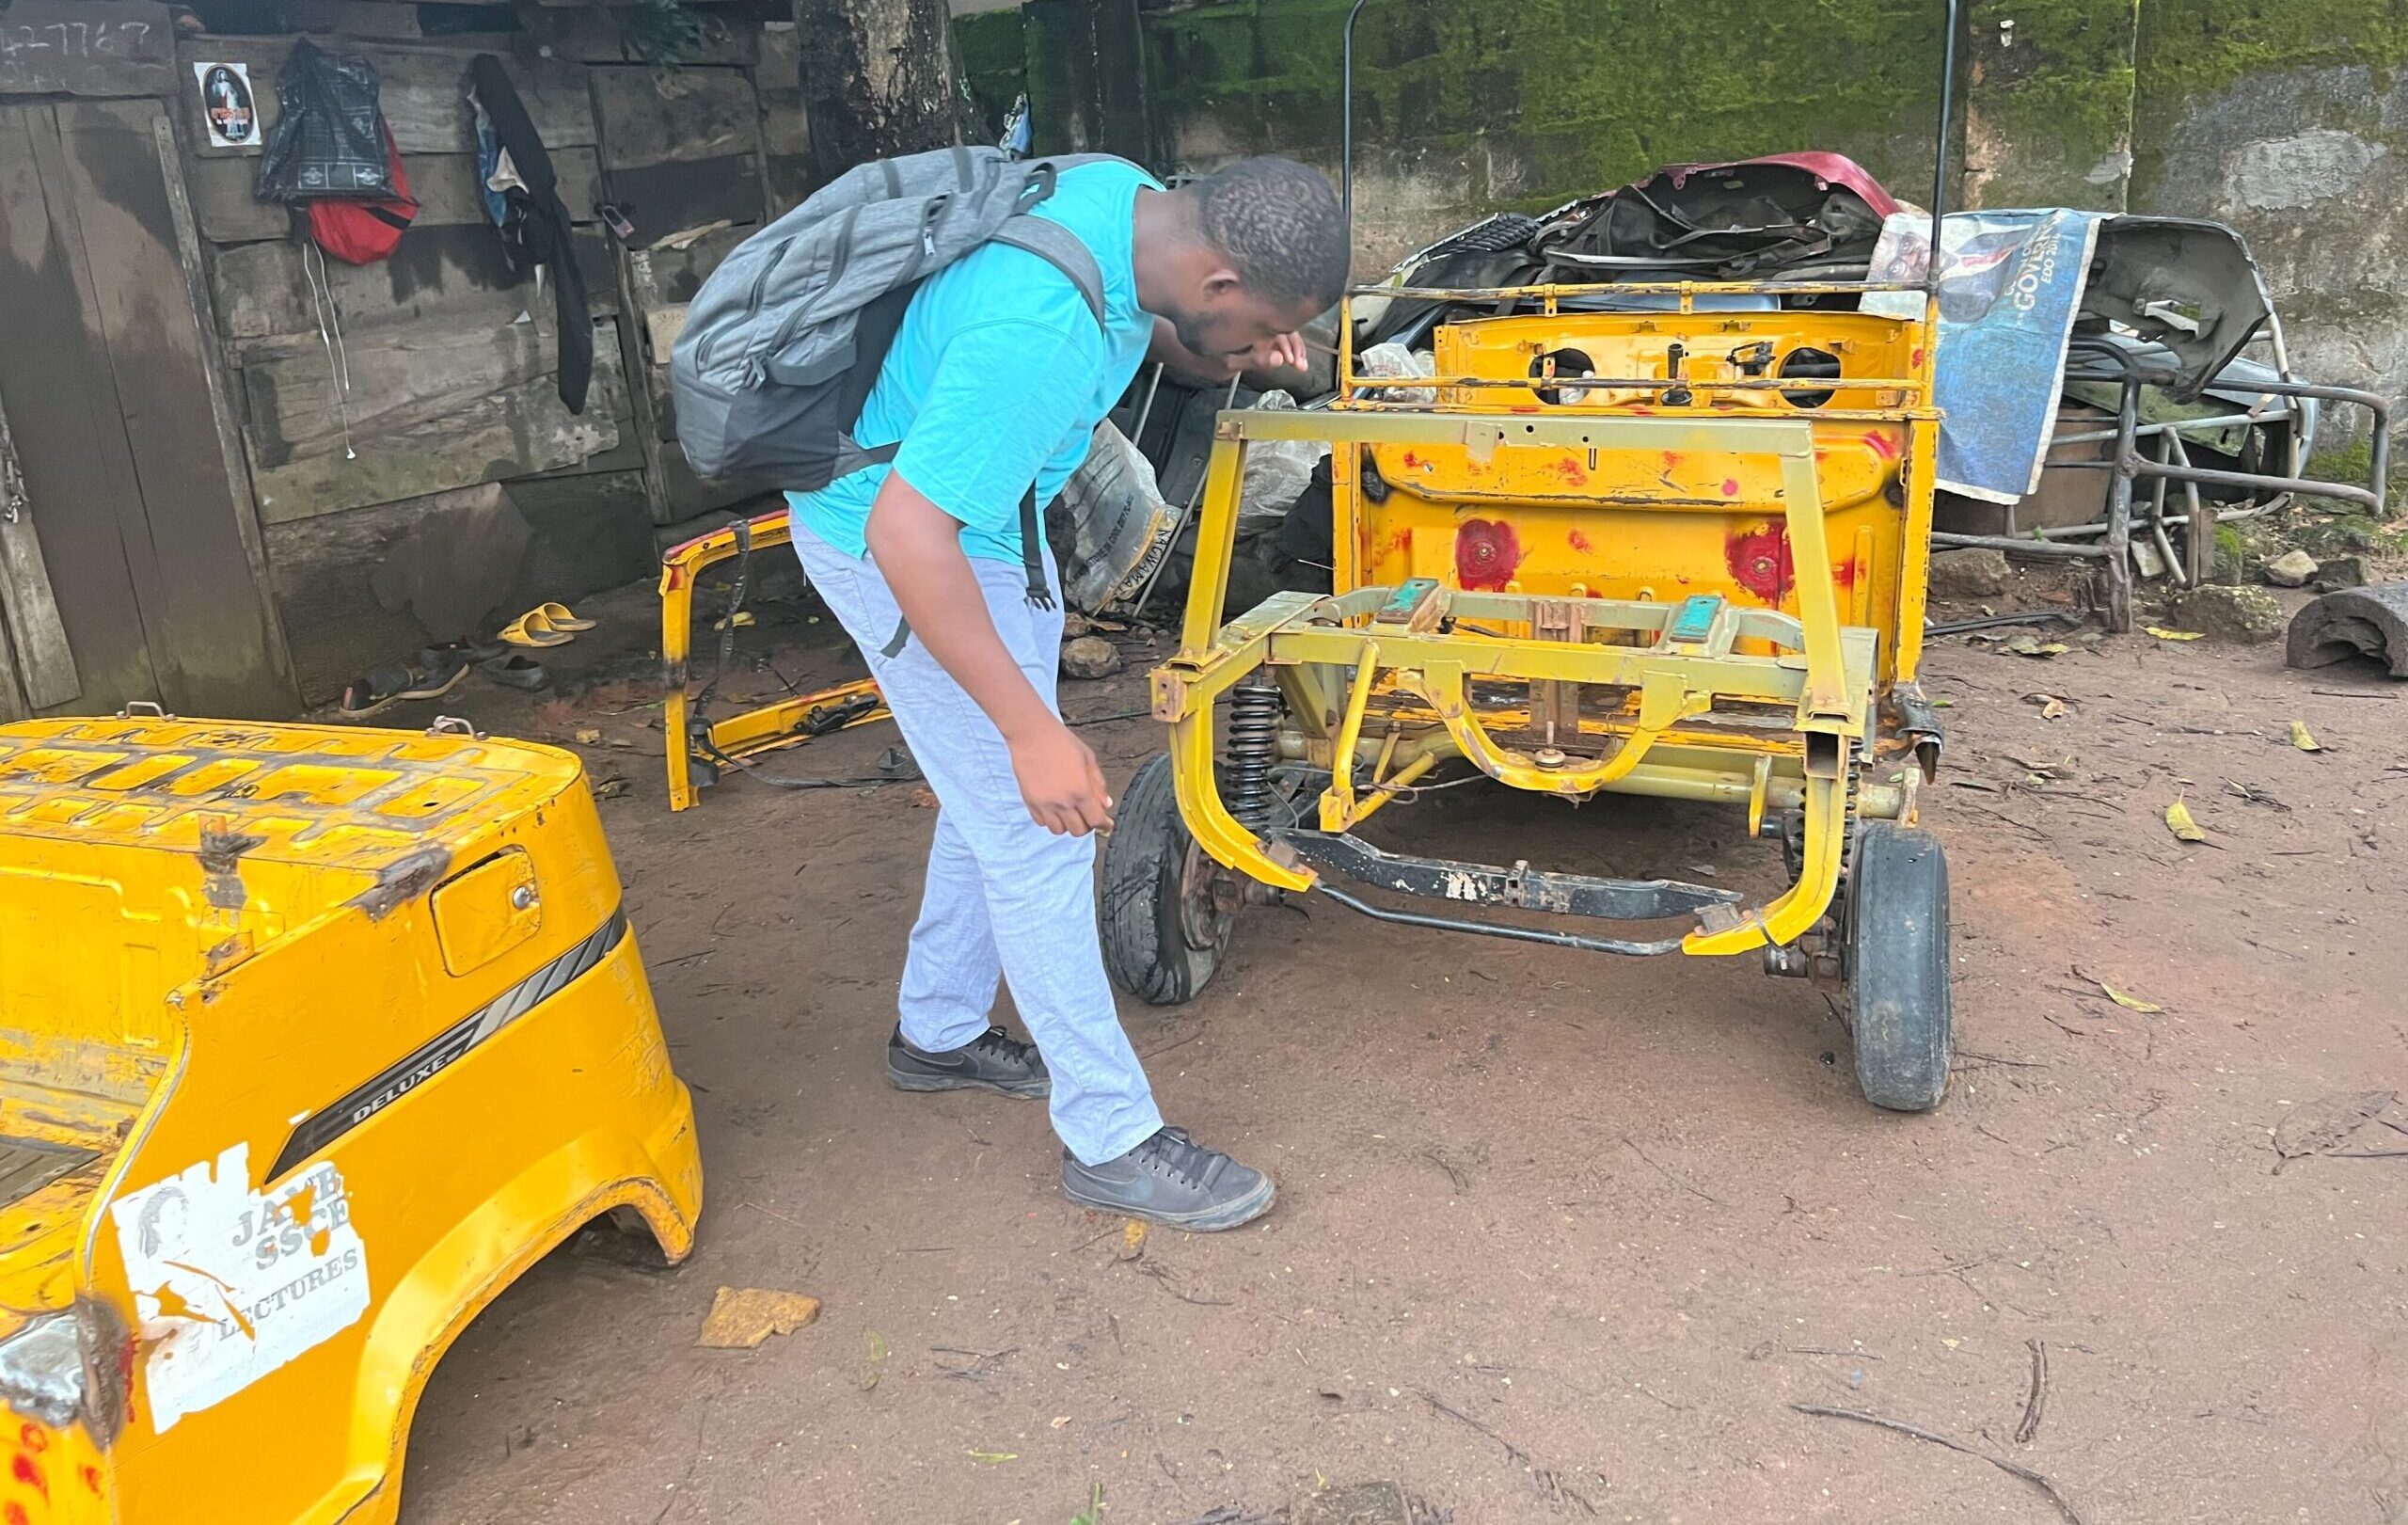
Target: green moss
x,y
2049,101
2190,47
994,60
1580,94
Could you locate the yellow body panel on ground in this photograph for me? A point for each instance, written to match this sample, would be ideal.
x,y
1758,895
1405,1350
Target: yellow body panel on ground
x,y
310,1040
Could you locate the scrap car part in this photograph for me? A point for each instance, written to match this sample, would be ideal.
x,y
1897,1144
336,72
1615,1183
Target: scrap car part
x,y
2352,622
695,745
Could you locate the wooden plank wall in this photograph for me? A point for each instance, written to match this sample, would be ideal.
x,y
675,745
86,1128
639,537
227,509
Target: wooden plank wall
x,y
451,353
691,154
444,342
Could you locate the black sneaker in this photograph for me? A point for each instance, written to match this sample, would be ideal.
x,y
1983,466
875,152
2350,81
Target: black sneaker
x,y
1171,1180
994,1060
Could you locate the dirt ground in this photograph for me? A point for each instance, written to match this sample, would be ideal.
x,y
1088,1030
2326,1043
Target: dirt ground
x,y
1560,1236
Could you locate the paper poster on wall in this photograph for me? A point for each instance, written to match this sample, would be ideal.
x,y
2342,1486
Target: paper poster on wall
x,y
229,1284
226,104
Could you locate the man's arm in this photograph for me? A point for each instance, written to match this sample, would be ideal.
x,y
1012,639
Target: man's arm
x,y
917,547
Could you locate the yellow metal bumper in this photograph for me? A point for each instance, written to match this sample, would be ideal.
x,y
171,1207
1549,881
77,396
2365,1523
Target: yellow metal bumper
x,y
785,724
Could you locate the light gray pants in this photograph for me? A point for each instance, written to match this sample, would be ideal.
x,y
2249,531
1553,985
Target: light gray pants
x,y
1005,897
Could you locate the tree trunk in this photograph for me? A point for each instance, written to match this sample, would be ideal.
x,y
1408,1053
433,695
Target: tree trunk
x,y
878,79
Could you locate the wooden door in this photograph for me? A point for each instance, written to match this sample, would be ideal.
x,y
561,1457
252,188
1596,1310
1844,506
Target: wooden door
x,y
146,532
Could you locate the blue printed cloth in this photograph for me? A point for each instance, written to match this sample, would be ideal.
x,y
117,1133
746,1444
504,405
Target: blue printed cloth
x,y
2010,286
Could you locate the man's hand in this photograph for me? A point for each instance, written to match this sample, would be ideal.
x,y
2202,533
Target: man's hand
x,y
1284,352
917,545
1061,781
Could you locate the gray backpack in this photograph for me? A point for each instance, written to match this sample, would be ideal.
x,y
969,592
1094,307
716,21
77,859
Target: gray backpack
x,y
785,340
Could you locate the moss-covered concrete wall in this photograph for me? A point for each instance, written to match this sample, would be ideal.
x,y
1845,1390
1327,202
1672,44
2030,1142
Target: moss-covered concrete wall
x,y
1464,105
2287,117
2049,91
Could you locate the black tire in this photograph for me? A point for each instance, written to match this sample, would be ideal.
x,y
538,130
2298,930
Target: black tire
x,y
1158,944
1899,1010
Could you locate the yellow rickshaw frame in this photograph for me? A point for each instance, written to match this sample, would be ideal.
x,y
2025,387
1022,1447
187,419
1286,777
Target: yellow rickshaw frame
x,y
1385,635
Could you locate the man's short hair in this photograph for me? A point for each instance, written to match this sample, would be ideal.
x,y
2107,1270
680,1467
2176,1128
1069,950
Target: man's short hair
x,y
1279,224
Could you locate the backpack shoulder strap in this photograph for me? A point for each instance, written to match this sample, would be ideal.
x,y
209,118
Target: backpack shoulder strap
x,y
1061,248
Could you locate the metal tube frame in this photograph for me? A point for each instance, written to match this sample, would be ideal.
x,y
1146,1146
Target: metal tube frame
x,y
2175,467
784,723
1823,670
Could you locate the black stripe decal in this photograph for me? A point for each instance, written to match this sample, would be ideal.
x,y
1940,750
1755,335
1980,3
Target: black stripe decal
x,y
423,1063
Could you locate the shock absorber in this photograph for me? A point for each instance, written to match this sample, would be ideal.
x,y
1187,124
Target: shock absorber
x,y
1254,745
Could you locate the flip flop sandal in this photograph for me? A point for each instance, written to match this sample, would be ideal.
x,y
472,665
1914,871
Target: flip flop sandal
x,y
517,672
535,628
442,675
562,617
379,689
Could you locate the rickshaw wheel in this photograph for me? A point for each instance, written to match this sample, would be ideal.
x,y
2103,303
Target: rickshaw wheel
x,y
1165,910
1899,1010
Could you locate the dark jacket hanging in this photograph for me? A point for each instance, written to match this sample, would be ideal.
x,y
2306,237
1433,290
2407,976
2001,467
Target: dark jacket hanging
x,y
328,138
539,227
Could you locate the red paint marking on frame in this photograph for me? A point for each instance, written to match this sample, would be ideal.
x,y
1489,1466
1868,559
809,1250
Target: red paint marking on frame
x,y
1486,553
1844,575
1881,445
1760,562
1572,471
92,1478
1577,542
1412,462
1730,486
32,1437
23,1470
15,1514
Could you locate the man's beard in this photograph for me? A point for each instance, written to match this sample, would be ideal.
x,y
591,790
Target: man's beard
x,y
1190,329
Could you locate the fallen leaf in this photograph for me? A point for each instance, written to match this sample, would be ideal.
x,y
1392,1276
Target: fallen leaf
x,y
1943,704
1060,1419
1133,1239
588,737
2179,822
2031,646
742,618
924,798
610,788
875,1366
2129,1003
2327,1125
2302,739
993,1458
2052,709
2061,767
742,1317
2163,634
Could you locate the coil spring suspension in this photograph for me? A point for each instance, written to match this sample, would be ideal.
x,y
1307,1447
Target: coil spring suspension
x,y
1253,743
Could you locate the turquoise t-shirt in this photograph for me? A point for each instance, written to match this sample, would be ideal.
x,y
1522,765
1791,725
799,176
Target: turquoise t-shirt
x,y
999,375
